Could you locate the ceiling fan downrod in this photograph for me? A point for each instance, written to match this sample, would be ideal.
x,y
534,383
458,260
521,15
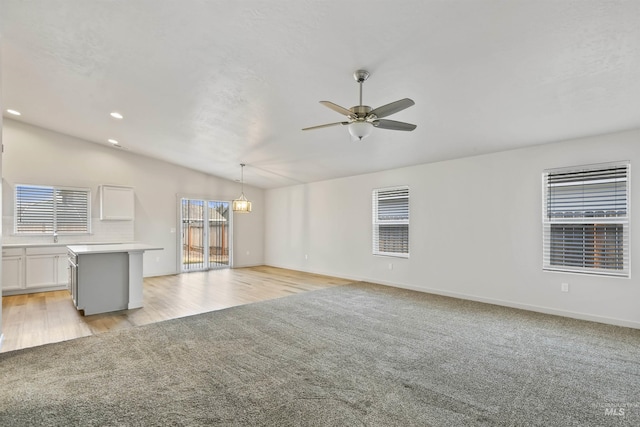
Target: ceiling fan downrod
x,y
361,76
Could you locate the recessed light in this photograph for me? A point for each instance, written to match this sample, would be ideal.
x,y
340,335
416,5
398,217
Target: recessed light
x,y
113,141
117,115
14,112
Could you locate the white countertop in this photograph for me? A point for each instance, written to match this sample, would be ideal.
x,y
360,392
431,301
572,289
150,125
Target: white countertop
x,y
49,245
37,245
108,248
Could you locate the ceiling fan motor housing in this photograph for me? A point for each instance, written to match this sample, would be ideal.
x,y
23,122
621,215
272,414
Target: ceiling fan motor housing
x,y
361,112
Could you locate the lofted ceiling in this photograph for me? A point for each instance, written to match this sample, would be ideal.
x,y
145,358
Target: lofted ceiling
x,y
212,84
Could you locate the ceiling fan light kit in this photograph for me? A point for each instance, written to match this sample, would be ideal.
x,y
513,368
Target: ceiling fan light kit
x,y
360,130
362,119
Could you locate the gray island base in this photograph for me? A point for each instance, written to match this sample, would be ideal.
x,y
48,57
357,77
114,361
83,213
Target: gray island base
x,y
106,278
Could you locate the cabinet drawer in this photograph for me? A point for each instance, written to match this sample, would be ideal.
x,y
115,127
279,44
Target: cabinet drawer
x,y
47,250
12,251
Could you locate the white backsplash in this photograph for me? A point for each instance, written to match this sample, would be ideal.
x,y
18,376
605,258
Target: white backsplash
x,y
101,232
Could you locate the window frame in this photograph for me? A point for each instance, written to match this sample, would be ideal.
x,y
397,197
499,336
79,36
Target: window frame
x,y
592,222
55,211
377,222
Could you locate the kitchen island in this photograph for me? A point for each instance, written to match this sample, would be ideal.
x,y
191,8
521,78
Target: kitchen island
x,y
106,277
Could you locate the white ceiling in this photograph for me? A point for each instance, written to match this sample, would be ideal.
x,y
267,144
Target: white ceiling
x,y
211,84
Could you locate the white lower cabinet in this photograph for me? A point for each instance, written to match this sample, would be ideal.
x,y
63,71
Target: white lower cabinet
x,y
62,269
34,269
12,269
41,271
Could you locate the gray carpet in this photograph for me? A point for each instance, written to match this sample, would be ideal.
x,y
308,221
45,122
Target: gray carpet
x,y
353,355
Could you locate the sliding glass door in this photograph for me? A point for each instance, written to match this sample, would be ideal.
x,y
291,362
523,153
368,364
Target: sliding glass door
x,y
205,234
218,217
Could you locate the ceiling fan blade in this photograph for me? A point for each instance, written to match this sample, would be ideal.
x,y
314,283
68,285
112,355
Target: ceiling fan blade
x,y
393,125
326,126
394,107
338,109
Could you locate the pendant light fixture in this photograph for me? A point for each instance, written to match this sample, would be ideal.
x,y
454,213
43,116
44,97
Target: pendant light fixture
x,y
241,204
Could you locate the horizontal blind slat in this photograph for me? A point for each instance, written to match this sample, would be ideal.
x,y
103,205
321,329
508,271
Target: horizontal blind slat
x,y
573,201
390,212
41,209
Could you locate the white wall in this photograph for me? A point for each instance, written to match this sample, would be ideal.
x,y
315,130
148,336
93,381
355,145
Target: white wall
x,y
1,231
38,156
475,230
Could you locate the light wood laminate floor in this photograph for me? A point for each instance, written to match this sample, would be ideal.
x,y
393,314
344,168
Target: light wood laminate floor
x,y
34,319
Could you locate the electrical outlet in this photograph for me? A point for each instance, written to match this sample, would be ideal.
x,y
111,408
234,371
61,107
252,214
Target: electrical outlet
x,y
390,266
306,256
564,287
248,253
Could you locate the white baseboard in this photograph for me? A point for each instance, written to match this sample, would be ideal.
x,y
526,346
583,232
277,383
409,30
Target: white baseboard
x,y
34,290
322,273
521,306
247,265
504,303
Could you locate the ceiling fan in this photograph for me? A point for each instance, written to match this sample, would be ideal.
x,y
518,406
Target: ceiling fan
x,y
362,118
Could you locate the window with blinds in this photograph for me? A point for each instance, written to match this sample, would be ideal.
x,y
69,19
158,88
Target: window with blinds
x,y
48,210
586,219
391,221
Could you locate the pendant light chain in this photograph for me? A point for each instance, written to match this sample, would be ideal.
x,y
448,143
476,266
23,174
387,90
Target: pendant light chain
x,y
242,165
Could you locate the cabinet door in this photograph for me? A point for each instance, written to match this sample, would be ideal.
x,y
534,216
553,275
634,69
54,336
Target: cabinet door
x,y
116,203
41,271
62,269
11,273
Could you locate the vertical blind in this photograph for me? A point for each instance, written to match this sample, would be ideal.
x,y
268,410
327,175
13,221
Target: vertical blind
x,y
48,210
192,234
218,234
391,221
205,246
586,219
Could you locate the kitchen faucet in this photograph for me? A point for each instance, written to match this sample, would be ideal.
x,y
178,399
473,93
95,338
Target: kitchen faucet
x,y
55,237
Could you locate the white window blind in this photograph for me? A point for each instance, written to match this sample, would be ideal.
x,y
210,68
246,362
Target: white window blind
x,y
391,221
586,219
48,210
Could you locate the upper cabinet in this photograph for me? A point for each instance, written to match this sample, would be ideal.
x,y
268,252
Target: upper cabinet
x,y
116,203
